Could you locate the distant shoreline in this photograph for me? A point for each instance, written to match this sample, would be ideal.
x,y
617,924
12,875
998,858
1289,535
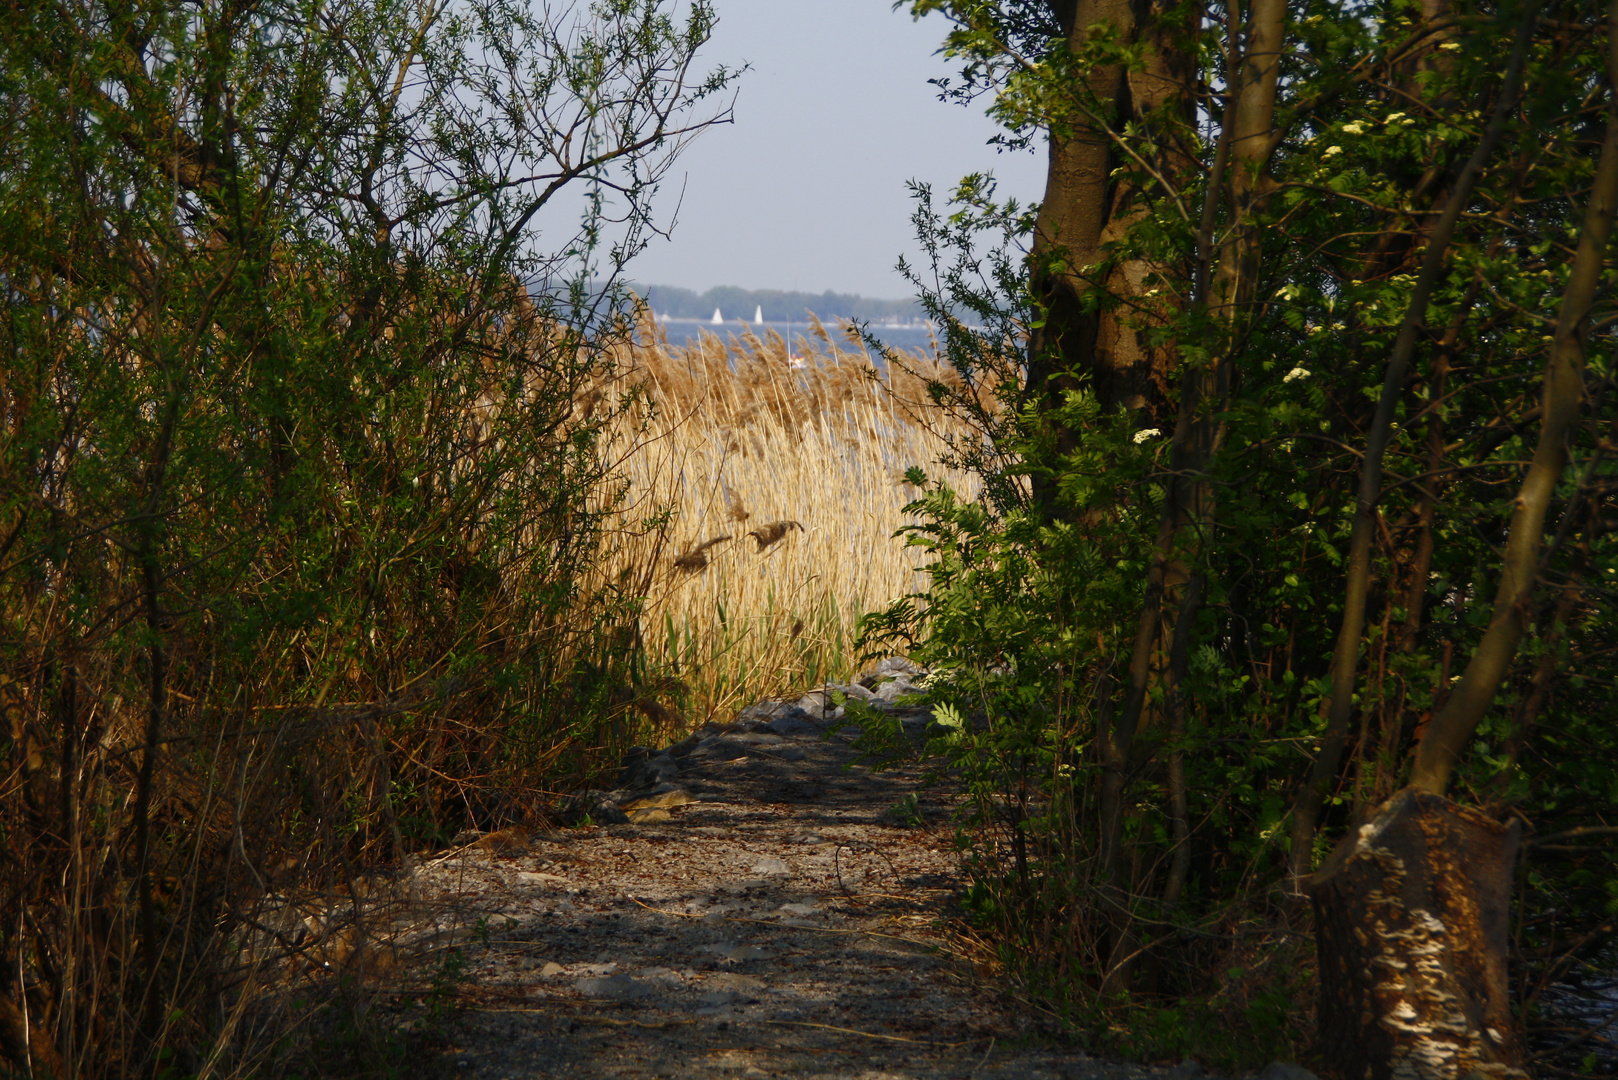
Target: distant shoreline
x,y
908,336
776,305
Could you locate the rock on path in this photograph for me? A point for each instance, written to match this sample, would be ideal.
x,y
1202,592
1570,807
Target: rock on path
x,y
763,914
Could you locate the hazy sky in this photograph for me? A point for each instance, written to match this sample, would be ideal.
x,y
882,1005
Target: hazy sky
x,y
806,190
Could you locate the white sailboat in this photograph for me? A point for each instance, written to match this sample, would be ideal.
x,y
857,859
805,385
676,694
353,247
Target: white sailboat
x,y
718,319
758,315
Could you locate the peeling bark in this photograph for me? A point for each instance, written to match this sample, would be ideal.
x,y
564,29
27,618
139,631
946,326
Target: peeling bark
x,y
1411,927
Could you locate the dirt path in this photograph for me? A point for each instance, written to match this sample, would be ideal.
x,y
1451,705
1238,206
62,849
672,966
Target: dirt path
x,y
779,923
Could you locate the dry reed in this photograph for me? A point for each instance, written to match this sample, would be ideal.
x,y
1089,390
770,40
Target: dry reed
x,y
807,437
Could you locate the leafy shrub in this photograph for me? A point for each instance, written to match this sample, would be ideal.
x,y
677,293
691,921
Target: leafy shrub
x,y
297,494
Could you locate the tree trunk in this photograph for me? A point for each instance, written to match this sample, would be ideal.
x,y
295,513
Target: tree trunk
x,y
1411,928
1188,502
1086,208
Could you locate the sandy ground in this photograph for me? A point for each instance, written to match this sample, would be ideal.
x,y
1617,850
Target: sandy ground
x,y
782,922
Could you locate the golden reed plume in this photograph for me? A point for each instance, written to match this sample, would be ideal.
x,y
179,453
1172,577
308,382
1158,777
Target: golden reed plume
x,y
694,559
769,534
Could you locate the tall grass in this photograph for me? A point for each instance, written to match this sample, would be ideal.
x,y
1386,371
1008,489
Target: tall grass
x,y
765,484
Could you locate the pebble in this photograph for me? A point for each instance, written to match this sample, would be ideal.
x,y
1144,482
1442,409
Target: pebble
x,y
615,988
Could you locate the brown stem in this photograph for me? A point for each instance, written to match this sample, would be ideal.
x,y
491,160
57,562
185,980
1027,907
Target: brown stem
x,y
1365,779
1179,803
1119,735
148,553
1544,673
157,675
1421,565
1433,478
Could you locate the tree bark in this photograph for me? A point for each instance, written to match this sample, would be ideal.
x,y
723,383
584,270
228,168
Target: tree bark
x,y
1252,146
1089,336
1411,928
1086,208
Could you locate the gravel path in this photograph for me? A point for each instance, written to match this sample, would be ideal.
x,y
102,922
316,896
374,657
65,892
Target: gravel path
x,y
766,914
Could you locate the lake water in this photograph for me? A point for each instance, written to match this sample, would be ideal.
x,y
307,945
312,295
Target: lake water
x,y
798,334
1586,997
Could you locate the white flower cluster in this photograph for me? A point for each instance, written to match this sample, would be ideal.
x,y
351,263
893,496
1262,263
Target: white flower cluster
x,y
1332,151
1146,433
1356,128
1295,374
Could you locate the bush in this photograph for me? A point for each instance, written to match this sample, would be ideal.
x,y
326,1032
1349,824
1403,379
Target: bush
x,y
298,493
